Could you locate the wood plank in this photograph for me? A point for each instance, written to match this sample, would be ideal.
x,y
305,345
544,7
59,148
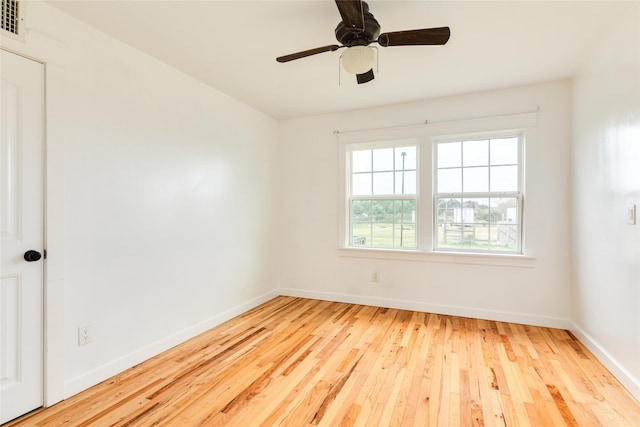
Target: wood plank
x,y
302,362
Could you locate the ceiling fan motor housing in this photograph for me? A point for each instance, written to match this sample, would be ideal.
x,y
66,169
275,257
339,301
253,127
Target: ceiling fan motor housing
x,y
354,37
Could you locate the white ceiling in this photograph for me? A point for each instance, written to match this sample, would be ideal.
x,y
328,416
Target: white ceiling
x,y
232,46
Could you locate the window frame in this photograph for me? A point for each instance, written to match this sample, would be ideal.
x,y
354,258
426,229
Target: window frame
x,y
350,198
423,134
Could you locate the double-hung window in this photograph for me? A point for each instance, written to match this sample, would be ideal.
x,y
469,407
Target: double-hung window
x,y
438,191
478,196
383,196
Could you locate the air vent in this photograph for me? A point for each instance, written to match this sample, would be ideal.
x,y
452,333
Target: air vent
x,y
10,16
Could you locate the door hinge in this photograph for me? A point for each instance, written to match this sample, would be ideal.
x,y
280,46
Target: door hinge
x,y
44,255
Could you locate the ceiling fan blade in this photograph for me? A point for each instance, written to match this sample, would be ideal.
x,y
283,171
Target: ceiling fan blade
x,y
352,13
427,36
305,53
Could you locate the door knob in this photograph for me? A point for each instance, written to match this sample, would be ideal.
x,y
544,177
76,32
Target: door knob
x,y
31,256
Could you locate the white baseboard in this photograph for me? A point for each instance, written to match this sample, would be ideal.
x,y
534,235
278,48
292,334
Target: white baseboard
x,y
91,378
631,383
452,310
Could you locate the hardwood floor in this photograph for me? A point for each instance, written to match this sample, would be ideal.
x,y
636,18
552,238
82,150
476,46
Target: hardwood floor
x,y
299,362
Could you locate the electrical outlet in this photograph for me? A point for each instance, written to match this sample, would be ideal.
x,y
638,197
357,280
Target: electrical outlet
x,y
84,335
375,276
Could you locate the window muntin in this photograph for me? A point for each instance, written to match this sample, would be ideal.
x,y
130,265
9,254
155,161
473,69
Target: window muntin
x,y
478,195
383,197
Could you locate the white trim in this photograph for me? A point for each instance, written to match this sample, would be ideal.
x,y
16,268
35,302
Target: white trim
x,y
54,225
450,257
108,370
626,378
451,310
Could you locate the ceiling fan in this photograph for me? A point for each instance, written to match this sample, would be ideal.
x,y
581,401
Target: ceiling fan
x,y
358,29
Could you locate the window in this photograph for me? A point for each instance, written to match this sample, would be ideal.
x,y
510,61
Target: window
x,y
478,199
383,197
441,191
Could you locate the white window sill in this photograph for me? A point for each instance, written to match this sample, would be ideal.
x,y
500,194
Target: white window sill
x,y
506,260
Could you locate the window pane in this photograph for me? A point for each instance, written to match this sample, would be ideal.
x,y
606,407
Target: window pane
x,y
505,237
405,236
448,232
382,232
449,154
361,161
404,211
450,180
382,183
475,153
409,158
463,214
476,179
406,182
383,159
397,211
505,227
361,234
504,151
504,178
504,209
361,211
382,211
382,235
405,232
409,212
361,222
361,184
475,224
398,236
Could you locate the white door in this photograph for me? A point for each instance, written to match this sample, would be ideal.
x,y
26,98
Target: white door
x,y
21,208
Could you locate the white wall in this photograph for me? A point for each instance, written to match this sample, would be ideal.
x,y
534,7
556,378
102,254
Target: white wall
x,y
536,293
162,202
605,295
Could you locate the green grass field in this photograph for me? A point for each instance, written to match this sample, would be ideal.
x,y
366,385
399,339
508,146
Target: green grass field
x,y
478,237
387,235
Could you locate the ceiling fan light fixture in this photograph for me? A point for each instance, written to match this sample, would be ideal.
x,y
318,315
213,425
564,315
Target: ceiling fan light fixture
x,y
358,59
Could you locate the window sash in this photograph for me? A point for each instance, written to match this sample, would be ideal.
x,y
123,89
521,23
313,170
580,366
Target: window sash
x,y
385,226
489,166
477,224
398,174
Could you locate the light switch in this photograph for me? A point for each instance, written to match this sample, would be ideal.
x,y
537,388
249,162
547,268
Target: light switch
x,y
631,214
